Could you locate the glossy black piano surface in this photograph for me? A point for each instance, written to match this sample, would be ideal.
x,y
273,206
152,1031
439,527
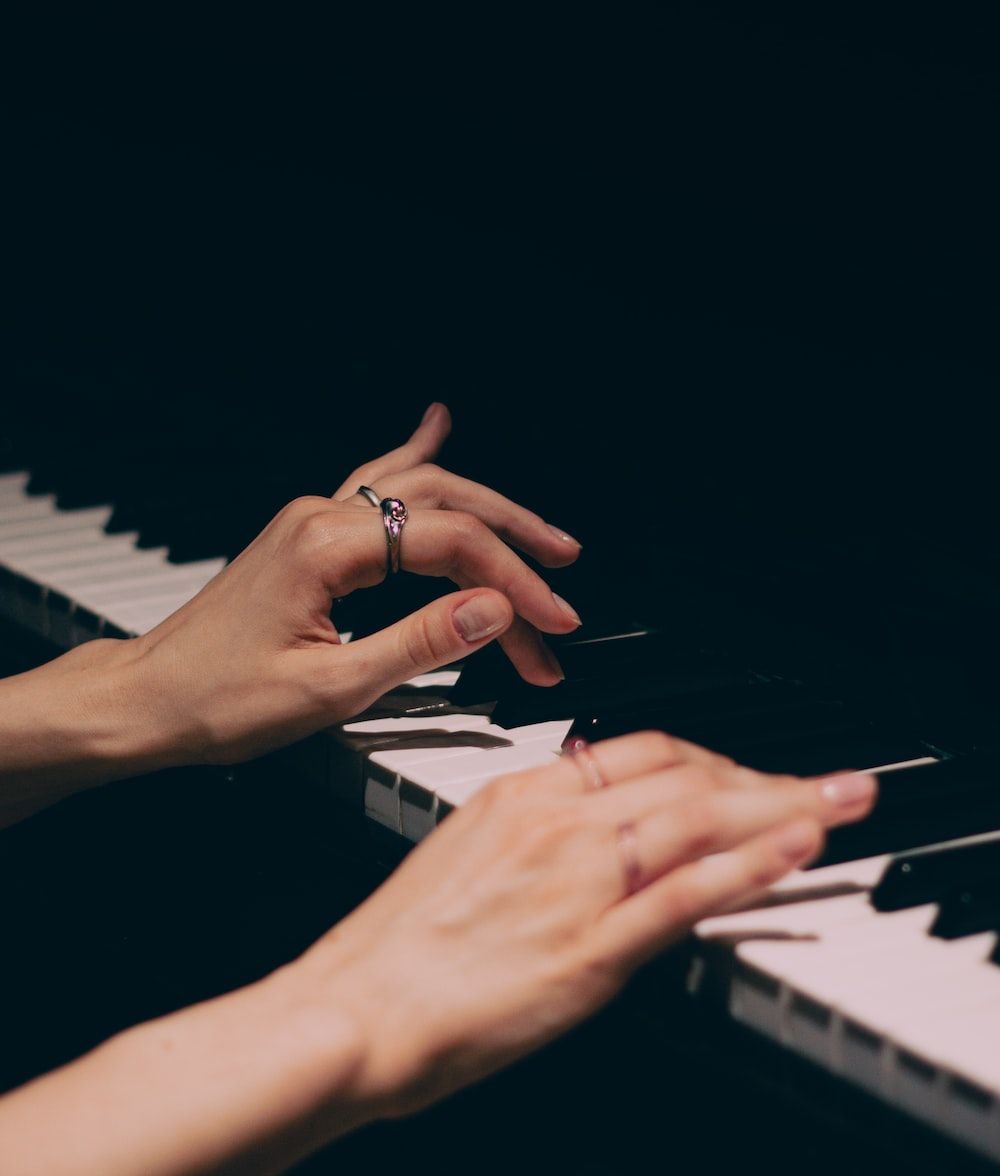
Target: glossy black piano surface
x,y
713,290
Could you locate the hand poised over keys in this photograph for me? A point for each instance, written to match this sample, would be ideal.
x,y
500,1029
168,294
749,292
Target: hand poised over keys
x,y
253,661
523,913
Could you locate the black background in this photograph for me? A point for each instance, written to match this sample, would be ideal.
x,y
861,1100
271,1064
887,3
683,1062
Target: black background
x,y
744,256
694,278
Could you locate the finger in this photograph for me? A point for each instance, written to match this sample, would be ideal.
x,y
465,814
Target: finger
x,y
834,800
458,545
432,488
709,822
529,654
445,543
621,759
424,445
440,633
636,929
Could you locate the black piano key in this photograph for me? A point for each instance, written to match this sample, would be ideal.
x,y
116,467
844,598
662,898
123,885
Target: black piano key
x,y
925,876
969,910
859,750
923,806
606,683
597,653
730,721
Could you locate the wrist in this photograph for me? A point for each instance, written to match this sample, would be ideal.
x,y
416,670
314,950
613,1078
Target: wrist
x,y
394,1066
81,720
252,1081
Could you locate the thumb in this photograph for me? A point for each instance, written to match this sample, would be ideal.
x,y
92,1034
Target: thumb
x,y
433,636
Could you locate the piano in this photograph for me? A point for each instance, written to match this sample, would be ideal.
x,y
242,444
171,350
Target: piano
x,y
746,253
880,965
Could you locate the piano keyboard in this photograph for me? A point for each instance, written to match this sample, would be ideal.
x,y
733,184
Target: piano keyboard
x,y
67,579
879,997
875,997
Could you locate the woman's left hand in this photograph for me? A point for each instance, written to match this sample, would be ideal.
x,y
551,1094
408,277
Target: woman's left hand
x,y
254,661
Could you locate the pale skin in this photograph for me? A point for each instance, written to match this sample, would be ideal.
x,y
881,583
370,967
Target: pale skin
x,y
510,923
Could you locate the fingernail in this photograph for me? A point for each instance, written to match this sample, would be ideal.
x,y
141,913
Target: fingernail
x,y
564,536
848,791
797,841
568,609
431,408
480,617
553,661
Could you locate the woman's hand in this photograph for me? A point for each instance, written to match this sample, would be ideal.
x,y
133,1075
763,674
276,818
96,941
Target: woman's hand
x,y
253,661
514,920
521,914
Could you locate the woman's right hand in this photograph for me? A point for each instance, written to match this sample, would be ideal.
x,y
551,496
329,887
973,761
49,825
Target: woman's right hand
x,y
514,920
523,913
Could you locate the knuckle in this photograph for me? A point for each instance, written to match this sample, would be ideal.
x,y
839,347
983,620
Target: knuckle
x,y
658,745
466,525
425,481
313,530
427,474
299,509
462,532
762,871
683,904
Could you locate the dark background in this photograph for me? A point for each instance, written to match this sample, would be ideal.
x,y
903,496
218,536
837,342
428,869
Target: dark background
x,y
742,253
711,285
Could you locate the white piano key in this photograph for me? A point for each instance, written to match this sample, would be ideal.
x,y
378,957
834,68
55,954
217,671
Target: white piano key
x,y
97,562
152,581
62,542
108,551
141,618
385,770
946,1071
922,986
46,542
14,534
401,726
793,918
957,1025
98,591
42,507
442,679
457,781
418,811
14,487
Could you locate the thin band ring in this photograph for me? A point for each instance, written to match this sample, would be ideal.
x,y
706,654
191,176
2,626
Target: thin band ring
x,y
578,749
370,494
394,516
628,851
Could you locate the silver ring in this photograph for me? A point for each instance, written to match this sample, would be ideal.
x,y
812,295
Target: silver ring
x,y
394,516
370,494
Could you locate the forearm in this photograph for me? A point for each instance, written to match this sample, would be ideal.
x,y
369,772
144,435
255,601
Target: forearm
x,y
247,1083
78,721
